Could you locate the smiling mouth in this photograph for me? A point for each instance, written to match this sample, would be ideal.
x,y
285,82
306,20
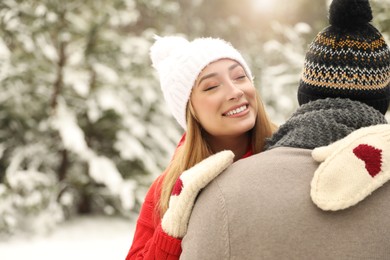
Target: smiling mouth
x,y
236,111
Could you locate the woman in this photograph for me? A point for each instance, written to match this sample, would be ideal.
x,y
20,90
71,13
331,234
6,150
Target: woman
x,y
209,89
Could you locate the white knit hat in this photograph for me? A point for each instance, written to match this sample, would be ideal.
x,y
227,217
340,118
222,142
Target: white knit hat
x,y
179,63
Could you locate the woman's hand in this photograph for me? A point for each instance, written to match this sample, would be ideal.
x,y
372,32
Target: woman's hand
x,y
187,187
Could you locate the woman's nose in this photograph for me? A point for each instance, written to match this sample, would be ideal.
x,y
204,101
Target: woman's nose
x,y
234,91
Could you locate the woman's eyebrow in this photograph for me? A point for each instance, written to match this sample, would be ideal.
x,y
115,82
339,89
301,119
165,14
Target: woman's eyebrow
x,y
206,77
233,66
215,74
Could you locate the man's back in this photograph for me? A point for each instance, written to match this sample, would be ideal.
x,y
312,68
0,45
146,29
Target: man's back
x,y
260,208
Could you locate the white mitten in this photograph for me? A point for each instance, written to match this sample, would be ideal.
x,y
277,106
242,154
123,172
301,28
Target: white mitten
x,y
351,168
187,187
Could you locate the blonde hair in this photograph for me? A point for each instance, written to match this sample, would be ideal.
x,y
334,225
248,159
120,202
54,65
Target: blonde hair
x,y
195,149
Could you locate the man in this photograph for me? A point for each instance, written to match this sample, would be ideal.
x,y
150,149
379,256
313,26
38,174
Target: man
x,y
262,207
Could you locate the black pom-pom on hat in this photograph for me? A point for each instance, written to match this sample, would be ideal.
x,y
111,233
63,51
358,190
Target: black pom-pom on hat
x,y
348,59
349,13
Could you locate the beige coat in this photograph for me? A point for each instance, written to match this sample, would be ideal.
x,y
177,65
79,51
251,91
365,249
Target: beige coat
x,y
260,208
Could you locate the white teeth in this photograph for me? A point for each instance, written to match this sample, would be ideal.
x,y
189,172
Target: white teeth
x,y
236,111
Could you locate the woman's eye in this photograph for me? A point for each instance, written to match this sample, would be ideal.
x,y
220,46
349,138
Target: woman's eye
x,y
241,77
210,87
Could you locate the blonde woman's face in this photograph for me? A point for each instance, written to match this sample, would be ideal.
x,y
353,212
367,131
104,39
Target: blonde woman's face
x,y
224,99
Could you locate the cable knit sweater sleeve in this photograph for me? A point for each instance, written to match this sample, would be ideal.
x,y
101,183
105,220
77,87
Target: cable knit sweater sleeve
x,y
150,241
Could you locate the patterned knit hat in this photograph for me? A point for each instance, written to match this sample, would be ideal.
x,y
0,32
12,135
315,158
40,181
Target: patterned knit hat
x,y
348,59
179,62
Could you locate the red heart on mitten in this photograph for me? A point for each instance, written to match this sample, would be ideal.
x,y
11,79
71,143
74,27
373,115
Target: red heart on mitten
x,y
371,156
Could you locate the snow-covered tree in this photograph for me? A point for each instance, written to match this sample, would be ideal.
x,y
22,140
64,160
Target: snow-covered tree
x,y
83,125
281,65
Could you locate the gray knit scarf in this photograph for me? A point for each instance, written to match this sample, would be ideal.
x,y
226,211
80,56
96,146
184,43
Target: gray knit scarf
x,y
324,121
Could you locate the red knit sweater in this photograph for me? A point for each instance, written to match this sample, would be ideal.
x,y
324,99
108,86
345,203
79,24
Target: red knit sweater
x,y
150,241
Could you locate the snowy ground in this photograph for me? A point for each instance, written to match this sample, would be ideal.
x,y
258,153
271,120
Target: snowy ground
x,y
95,238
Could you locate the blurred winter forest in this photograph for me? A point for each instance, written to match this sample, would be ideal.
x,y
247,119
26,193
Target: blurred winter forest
x,y
83,125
